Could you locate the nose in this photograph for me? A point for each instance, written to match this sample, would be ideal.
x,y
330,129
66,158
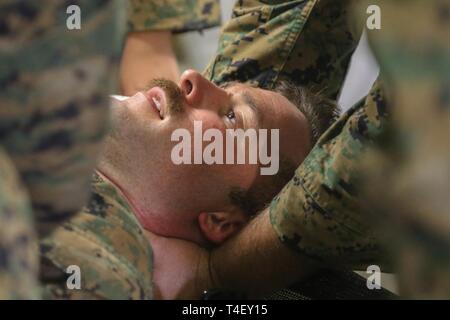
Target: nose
x,y
201,93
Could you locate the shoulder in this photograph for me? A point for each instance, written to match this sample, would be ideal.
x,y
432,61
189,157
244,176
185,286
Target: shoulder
x,y
107,243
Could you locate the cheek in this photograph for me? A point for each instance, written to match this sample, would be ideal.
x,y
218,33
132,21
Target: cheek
x,y
239,175
200,125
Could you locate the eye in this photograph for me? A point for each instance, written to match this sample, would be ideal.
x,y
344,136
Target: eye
x,y
231,116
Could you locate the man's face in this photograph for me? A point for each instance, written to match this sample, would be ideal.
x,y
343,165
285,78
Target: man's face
x,y
144,125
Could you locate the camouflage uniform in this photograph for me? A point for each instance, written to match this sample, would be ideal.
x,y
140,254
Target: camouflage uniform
x,y
319,212
54,88
174,15
310,43
18,246
108,245
408,174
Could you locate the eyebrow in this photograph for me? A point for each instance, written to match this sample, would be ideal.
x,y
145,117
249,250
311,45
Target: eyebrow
x,y
248,99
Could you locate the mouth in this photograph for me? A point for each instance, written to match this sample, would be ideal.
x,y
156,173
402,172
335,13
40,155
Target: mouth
x,y
157,98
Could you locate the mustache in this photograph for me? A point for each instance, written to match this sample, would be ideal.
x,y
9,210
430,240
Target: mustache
x,y
174,95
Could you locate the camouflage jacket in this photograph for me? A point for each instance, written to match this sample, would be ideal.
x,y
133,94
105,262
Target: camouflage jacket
x,y
107,245
320,213
408,174
18,245
173,15
54,97
310,43
54,87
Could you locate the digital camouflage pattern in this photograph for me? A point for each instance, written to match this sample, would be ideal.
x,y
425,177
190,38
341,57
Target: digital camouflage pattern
x,y
18,246
312,51
319,213
55,84
310,43
307,42
173,15
408,175
106,241
54,88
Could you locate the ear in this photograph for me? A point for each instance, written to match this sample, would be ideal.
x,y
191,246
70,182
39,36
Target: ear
x,y
219,226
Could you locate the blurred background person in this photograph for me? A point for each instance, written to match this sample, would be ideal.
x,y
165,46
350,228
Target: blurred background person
x,y
407,175
55,82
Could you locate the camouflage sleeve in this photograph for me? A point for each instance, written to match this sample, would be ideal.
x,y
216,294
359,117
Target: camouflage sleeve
x,y
54,97
174,15
318,213
308,42
18,246
409,172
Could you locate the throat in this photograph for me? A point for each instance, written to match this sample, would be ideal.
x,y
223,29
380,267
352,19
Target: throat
x,y
143,212
182,226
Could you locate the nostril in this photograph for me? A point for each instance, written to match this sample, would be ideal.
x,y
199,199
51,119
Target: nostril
x,y
187,87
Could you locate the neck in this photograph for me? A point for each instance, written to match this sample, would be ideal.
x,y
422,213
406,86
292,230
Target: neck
x,y
145,217
149,220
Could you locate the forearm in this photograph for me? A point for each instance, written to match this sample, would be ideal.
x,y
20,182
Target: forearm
x,y
146,56
247,261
